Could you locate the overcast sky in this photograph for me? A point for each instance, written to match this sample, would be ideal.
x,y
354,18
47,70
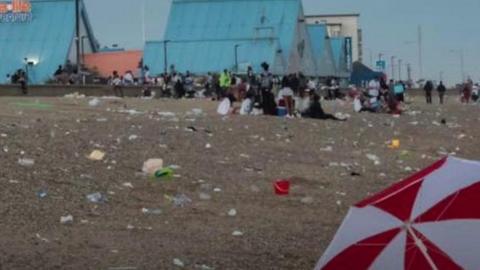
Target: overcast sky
x,y
389,26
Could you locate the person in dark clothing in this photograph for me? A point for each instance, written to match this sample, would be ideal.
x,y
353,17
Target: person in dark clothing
x,y
315,111
428,91
441,89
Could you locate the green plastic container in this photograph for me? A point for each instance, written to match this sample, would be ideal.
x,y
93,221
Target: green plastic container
x,y
164,173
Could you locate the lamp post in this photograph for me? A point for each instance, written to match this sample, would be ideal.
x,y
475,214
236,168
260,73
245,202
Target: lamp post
x,y
77,31
165,59
392,63
236,57
399,69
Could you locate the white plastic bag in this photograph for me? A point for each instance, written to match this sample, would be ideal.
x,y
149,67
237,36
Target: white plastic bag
x,y
224,107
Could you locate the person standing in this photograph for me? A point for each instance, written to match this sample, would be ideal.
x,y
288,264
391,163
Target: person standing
x,y
428,91
225,82
441,89
117,84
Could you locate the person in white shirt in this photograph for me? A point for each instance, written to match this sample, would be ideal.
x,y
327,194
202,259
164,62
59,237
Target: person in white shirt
x,y
286,94
128,78
117,84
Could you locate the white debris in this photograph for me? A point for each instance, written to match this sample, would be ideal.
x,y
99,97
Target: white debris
x,y
152,165
327,149
177,262
94,102
237,233
374,158
217,190
68,219
132,137
208,146
232,212
307,200
166,114
26,162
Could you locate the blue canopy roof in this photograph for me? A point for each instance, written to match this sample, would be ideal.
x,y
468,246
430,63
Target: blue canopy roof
x,y
202,35
322,50
45,40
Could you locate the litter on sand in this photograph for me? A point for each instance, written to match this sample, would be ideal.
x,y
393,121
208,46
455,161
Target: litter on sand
x,y
96,155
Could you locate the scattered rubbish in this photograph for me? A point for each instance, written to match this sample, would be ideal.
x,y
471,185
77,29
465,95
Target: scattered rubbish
x,y
327,149
39,237
208,146
307,200
34,105
13,181
395,144
436,123
68,219
151,166
217,190
282,187
96,155
26,162
204,196
101,120
130,227
178,262
443,121
174,167
127,184
181,200
75,95
152,211
339,203
355,174
42,194
197,111
166,114
204,267
164,173
3,135
191,129
244,156
237,233
96,197
94,102
408,169
132,137
461,136
232,212
374,158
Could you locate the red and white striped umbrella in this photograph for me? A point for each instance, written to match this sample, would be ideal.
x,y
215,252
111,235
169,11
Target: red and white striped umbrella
x,y
429,221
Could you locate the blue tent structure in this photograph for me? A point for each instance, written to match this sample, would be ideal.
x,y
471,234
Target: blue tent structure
x,y
362,74
322,50
46,39
211,35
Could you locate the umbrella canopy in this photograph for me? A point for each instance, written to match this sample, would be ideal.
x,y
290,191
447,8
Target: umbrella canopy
x,y
430,220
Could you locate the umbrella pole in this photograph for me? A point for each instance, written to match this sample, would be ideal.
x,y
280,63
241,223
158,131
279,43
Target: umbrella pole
x,y
422,247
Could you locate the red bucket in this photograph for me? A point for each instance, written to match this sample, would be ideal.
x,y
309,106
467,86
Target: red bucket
x,y
282,187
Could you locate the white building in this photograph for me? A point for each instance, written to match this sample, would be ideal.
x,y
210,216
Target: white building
x,y
346,25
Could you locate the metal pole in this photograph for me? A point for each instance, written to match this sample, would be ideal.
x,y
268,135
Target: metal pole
x,y
77,31
165,60
409,73
399,69
462,65
420,53
392,63
236,57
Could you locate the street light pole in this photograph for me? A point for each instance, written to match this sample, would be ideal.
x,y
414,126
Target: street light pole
x,y
77,31
399,69
165,59
236,57
392,63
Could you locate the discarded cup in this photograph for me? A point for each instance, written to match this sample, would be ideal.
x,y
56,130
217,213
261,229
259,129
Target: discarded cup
x,y
42,194
282,187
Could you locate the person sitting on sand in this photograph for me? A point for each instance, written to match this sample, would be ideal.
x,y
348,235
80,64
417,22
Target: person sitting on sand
x,y
316,111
